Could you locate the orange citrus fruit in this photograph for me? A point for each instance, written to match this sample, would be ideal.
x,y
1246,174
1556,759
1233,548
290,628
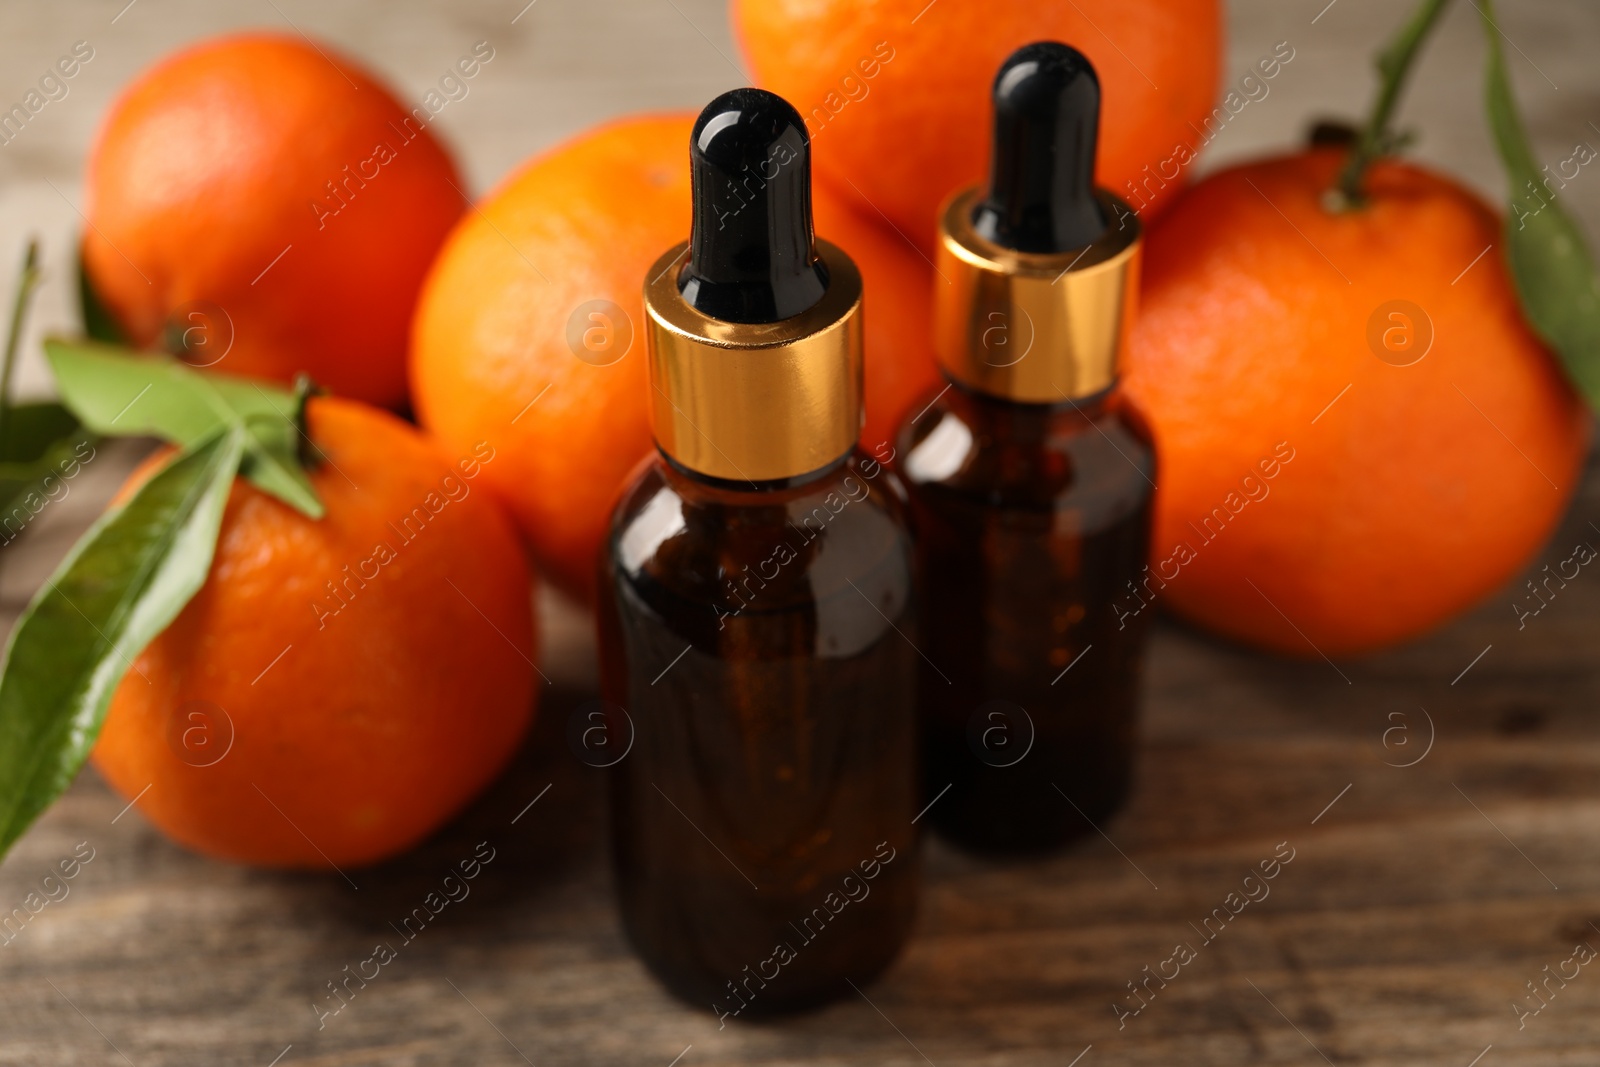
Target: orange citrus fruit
x,y
339,687
896,92
1360,435
269,206
529,327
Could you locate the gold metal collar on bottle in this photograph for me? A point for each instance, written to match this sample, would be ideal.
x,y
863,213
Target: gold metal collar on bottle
x,y
1031,327
754,402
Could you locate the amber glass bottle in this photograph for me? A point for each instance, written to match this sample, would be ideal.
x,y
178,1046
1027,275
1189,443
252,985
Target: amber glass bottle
x,y
1031,481
1032,519
756,608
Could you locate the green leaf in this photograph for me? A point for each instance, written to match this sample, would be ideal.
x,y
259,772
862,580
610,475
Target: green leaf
x,y
121,585
98,323
116,391
275,466
1550,264
32,428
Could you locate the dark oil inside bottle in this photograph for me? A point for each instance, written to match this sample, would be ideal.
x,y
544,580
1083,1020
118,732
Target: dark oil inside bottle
x,y
762,822
1032,521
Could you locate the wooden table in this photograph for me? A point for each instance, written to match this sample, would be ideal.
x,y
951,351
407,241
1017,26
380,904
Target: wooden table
x,y
1419,901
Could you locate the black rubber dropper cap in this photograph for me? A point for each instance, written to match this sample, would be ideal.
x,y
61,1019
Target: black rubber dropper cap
x,y
1041,179
752,253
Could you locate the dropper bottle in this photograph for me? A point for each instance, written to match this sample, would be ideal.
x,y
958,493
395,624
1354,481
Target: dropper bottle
x,y
755,607
1031,479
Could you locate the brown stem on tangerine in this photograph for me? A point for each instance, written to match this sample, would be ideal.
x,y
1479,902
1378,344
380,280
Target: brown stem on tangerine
x,y
1376,139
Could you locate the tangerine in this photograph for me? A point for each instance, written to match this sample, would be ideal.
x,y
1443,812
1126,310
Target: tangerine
x,y
896,93
528,330
268,205
1360,435
339,687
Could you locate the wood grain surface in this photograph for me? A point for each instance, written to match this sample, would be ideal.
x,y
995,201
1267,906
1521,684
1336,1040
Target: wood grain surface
x,y
1419,902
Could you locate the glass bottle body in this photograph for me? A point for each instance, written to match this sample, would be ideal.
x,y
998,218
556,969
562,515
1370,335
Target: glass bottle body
x,y
1033,526
762,836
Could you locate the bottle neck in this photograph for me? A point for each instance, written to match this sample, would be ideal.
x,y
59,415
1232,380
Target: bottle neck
x,y
1027,416
758,490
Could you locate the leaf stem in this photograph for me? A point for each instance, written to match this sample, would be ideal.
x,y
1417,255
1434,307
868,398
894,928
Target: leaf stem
x,y
1376,139
26,283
